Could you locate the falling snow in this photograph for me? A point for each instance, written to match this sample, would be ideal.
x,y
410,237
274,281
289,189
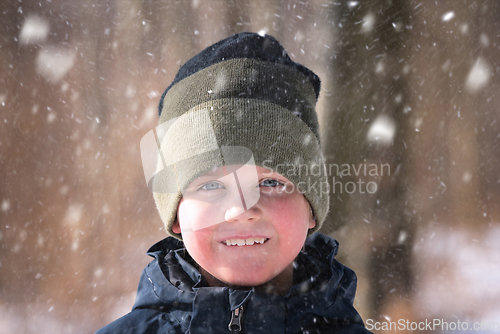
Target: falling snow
x,y
478,77
53,63
74,214
448,16
368,23
34,30
382,130
263,32
5,205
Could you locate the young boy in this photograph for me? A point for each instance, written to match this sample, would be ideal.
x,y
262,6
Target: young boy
x,y
240,184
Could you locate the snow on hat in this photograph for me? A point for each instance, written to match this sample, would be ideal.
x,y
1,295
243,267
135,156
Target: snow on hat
x,y
243,91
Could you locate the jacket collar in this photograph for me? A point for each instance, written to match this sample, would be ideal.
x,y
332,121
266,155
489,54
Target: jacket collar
x,y
172,282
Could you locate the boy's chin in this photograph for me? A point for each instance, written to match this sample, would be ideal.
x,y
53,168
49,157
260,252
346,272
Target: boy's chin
x,y
238,280
272,280
263,281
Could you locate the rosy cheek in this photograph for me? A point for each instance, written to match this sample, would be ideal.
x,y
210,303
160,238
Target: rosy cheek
x,y
197,244
191,215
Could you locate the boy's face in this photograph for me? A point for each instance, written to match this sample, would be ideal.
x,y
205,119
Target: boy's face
x,y
251,247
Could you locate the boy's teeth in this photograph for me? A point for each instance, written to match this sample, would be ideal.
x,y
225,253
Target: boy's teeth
x,y
243,242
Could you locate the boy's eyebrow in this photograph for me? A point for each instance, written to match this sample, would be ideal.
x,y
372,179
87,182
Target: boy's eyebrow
x,y
214,173
224,170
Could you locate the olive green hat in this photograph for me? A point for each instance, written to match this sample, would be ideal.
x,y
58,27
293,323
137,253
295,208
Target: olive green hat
x,y
243,92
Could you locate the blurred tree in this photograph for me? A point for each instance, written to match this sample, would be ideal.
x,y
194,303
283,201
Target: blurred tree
x,y
454,146
367,127
428,68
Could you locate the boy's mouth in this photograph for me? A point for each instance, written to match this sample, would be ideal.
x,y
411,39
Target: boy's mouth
x,y
244,242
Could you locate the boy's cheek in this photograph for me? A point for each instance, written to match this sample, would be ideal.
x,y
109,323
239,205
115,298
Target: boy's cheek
x,y
199,245
199,215
191,215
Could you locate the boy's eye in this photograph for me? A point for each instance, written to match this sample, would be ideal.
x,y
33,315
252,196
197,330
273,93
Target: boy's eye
x,y
211,186
271,183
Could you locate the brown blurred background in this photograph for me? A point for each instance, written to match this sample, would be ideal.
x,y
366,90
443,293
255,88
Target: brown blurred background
x,y
411,85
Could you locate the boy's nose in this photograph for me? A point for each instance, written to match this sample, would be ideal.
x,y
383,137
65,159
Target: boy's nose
x,y
236,214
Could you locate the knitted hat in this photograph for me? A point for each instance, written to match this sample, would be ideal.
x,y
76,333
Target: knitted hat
x,y
243,92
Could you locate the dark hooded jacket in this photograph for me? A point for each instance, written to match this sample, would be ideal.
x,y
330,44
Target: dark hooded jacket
x,y
173,297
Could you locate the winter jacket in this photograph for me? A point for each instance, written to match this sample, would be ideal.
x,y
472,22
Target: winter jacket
x,y
173,297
